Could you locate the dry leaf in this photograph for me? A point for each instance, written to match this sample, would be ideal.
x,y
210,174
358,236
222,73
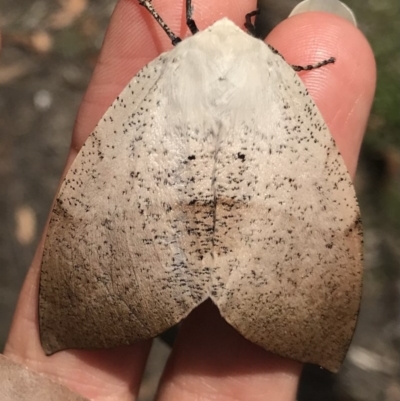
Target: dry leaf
x,y
25,225
9,73
68,13
41,41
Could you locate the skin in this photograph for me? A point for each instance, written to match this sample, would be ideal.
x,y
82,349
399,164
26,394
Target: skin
x,y
210,361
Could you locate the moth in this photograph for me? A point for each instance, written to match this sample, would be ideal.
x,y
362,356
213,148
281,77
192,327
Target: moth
x,y
212,176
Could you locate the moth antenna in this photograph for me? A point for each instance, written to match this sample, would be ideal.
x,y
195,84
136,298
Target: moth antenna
x,y
249,25
149,7
308,67
189,21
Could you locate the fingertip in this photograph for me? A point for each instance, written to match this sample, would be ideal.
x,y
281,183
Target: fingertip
x,y
211,360
343,91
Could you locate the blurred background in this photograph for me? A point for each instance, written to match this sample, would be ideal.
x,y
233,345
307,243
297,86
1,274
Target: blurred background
x,y
49,50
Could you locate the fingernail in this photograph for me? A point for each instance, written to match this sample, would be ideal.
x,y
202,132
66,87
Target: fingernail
x,y
330,6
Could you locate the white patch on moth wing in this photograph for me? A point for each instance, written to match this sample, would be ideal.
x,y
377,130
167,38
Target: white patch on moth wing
x,y
211,175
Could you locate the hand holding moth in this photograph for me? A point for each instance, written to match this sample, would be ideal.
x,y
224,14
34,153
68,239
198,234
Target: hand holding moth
x,y
208,352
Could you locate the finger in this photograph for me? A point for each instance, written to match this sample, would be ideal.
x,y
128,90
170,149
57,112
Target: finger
x,y
343,92
210,360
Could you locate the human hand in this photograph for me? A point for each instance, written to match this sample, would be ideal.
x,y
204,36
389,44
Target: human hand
x,y
209,360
